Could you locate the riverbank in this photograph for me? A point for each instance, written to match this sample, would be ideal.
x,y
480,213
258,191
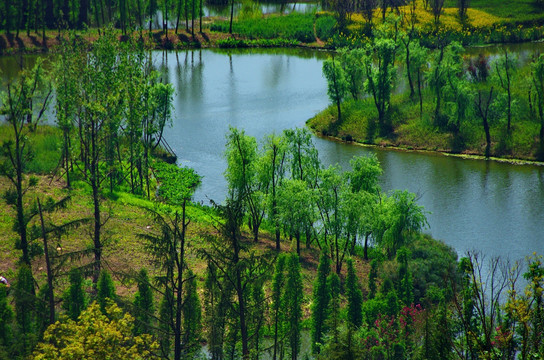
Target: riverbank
x,y
156,40
424,151
411,122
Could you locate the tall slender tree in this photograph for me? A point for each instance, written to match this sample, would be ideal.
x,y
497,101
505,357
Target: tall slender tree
x,y
144,305
354,297
293,304
321,300
19,105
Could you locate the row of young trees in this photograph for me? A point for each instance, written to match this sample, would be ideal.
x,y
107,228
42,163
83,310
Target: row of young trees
x,y
111,109
35,15
461,93
284,182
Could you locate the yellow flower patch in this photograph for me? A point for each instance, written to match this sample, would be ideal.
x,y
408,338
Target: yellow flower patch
x,y
449,18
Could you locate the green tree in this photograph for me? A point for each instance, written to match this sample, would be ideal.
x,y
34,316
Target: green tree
x,y
241,175
19,104
351,63
372,277
278,308
98,107
321,300
331,202
216,298
296,208
151,10
363,199
535,274
506,68
333,323
337,86
6,315
272,171
418,65
105,290
405,286
293,304
237,268
436,10
462,6
66,71
166,314
354,297
303,157
192,316
96,336
257,315
25,315
400,220
458,96
484,110
75,300
445,64
144,305
379,67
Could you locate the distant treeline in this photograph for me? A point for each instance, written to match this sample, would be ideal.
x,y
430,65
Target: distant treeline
x,y
33,15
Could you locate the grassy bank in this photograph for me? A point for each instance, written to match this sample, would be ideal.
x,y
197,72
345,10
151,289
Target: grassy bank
x,y
414,132
486,22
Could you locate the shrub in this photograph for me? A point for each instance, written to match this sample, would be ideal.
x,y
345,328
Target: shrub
x,y
293,27
325,27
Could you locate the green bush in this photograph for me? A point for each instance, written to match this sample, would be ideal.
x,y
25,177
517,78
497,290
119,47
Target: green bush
x,y
292,27
325,27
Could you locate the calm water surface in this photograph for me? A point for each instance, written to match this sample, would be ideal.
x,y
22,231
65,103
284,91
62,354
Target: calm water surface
x,y
473,205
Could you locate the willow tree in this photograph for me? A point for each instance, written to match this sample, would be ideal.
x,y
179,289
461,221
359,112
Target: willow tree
x,y
379,67
296,208
445,64
272,169
506,67
333,200
399,220
241,175
66,72
337,86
